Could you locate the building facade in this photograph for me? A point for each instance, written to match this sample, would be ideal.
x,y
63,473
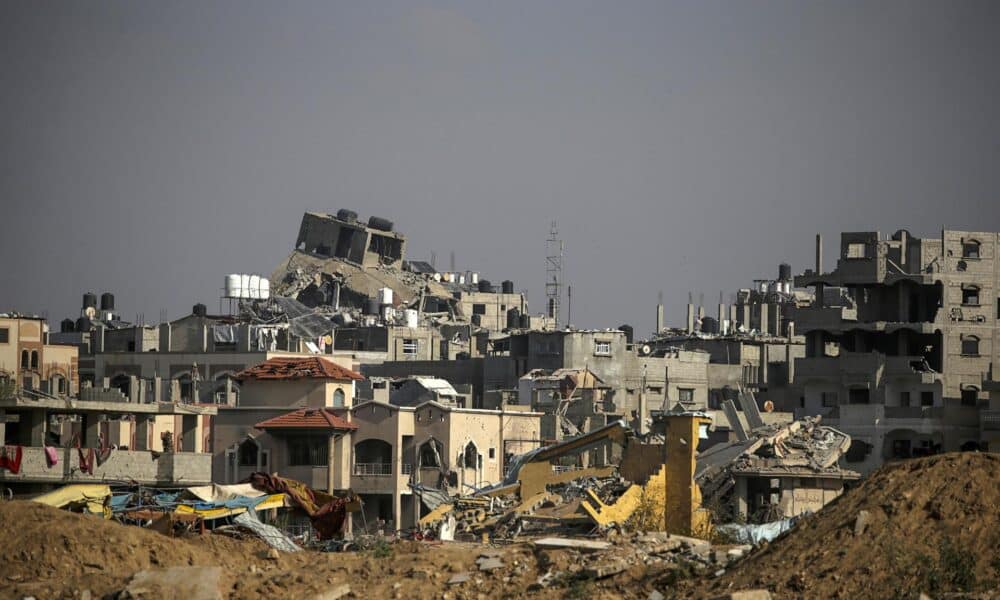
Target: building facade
x,y
901,343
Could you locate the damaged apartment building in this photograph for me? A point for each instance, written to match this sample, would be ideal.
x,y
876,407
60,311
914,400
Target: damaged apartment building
x,y
616,377
54,432
901,346
384,307
752,343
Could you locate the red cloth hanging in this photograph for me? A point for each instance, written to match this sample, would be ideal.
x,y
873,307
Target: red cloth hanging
x,y
10,458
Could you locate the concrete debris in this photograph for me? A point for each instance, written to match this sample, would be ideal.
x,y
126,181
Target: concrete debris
x,y
176,583
586,545
334,593
778,458
458,578
861,522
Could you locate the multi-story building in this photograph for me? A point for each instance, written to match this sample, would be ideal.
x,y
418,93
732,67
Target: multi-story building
x,y
29,361
901,343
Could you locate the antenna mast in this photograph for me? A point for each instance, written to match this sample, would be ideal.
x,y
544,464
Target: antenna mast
x,y
553,272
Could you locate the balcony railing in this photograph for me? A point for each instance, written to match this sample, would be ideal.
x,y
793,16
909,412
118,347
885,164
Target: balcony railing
x,y
989,420
373,469
407,468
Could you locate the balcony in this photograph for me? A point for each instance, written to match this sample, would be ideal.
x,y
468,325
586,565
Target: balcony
x,y
148,468
373,469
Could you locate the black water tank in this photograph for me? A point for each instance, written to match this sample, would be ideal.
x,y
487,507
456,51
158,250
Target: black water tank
x,y
107,301
90,300
83,324
507,287
380,223
199,310
485,286
477,320
372,306
784,272
525,321
709,325
67,325
347,215
629,332
513,318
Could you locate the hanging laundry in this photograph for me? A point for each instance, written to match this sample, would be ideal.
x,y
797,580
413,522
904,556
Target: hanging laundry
x,y
10,459
86,460
51,456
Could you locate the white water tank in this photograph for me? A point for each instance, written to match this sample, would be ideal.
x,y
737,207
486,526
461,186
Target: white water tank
x,y
265,288
385,296
437,277
233,288
410,318
388,313
461,279
474,278
253,287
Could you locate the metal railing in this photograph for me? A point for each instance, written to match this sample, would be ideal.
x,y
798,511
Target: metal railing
x,y
373,469
990,420
407,468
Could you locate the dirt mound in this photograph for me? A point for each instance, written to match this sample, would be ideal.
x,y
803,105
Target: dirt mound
x,y
933,526
50,553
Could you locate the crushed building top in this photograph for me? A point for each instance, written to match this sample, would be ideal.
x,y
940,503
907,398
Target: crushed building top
x,y
312,367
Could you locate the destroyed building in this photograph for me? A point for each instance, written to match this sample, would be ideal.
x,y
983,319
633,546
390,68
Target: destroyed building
x,y
901,345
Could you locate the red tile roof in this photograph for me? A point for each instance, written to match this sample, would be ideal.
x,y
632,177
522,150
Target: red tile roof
x,y
314,367
308,418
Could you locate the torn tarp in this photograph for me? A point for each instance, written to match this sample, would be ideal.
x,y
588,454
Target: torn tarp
x,y
757,534
270,534
431,498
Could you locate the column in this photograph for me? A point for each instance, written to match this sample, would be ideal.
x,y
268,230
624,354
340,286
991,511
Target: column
x,y
36,424
189,431
142,424
91,430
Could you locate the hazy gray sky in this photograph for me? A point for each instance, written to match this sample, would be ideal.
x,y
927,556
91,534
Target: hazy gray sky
x,y
149,148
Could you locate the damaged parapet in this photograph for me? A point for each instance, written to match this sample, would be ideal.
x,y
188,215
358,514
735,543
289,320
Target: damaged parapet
x,y
774,472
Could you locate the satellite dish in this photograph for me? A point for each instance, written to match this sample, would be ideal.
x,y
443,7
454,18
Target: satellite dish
x,y
768,406
90,311
645,349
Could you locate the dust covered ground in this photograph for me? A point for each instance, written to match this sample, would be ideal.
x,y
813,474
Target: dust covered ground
x,y
930,526
50,553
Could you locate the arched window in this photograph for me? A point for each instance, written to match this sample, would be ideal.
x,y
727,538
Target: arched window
x,y
430,454
471,456
34,359
970,249
338,398
248,452
970,345
24,359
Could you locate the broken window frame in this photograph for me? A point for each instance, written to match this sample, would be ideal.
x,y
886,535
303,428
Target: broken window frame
x,y
308,450
685,395
971,249
411,346
970,295
856,251
602,348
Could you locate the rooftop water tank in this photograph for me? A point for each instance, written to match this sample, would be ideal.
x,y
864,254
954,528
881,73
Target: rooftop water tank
x,y
380,223
507,287
385,296
83,324
90,300
67,325
233,286
347,215
107,301
411,318
199,310
785,272
485,286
